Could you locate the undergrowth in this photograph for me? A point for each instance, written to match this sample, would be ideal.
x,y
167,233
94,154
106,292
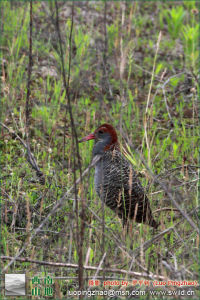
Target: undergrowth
x,y
153,98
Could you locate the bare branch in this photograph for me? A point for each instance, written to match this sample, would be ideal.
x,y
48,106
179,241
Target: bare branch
x,y
99,268
163,186
29,70
91,268
57,206
80,235
30,157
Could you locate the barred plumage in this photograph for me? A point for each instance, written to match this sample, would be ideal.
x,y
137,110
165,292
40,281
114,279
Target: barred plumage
x,y
116,181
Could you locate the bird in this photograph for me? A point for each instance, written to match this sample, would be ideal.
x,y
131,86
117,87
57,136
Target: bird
x,y
116,182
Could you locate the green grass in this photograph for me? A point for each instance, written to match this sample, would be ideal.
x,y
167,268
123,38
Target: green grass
x,y
165,133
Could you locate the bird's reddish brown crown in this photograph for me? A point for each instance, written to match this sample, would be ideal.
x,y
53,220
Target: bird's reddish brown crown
x,y
113,144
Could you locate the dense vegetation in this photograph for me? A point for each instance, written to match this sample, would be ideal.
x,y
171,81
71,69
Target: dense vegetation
x,y
133,65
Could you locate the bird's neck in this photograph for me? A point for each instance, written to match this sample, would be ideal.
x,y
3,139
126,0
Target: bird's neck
x,y
99,147
103,146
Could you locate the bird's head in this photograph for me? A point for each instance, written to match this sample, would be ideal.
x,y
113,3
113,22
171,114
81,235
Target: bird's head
x,y
105,138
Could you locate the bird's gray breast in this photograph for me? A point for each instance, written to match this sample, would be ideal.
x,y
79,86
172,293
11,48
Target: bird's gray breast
x,y
107,176
98,176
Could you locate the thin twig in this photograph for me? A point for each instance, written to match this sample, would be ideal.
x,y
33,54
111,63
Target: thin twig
x,y
91,268
165,209
153,71
11,131
106,81
148,243
99,268
57,206
29,70
163,186
167,107
30,157
146,116
168,79
75,148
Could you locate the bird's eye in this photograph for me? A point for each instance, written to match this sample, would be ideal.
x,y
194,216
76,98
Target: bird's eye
x,y
101,131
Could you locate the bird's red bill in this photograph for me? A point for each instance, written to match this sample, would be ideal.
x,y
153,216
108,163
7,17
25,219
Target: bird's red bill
x,y
91,136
